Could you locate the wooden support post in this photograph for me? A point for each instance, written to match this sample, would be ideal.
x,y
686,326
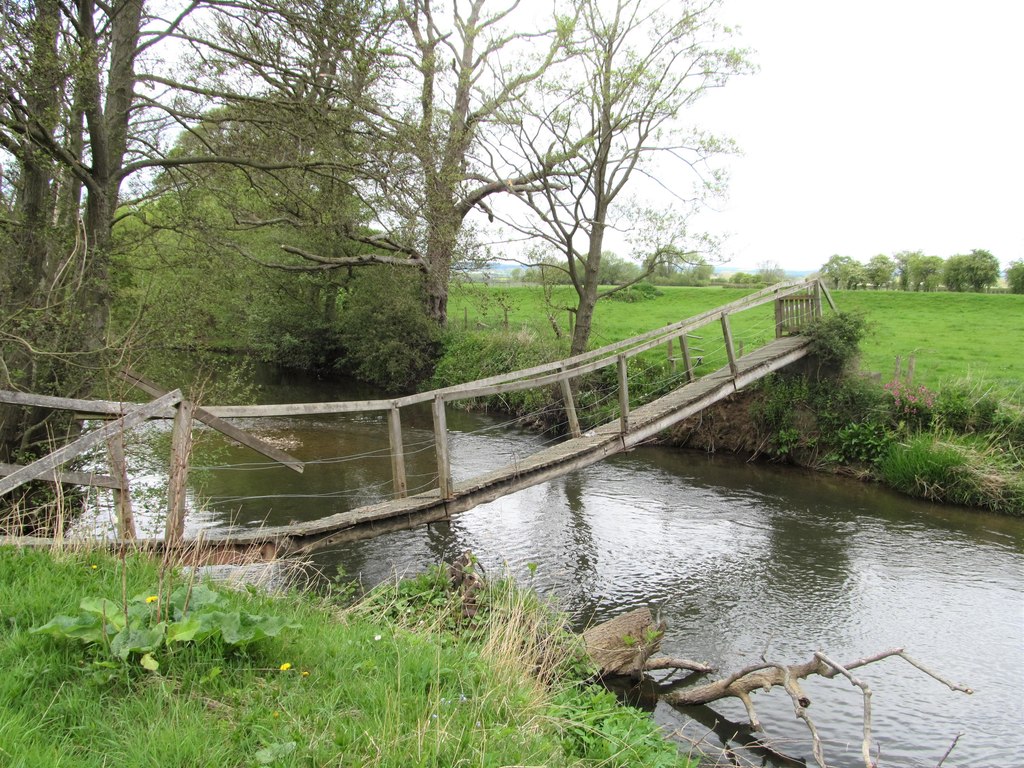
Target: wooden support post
x,y
122,497
671,358
570,405
818,310
399,483
623,394
911,364
898,372
444,470
181,447
779,319
727,335
687,361
739,348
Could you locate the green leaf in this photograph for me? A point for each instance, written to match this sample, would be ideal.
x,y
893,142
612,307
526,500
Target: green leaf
x,y
148,662
200,598
137,640
183,631
101,606
274,752
87,628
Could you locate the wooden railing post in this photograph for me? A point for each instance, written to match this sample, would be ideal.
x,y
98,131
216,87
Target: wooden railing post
x,y
687,361
623,395
671,358
444,470
181,447
398,479
122,497
570,405
779,319
727,335
817,299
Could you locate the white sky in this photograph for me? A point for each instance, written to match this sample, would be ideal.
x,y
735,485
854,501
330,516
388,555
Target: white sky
x,y
872,127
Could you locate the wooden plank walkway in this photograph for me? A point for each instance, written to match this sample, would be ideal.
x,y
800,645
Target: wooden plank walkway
x,y
644,423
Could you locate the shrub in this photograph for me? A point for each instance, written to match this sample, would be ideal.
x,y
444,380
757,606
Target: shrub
x,y
638,292
862,443
388,339
835,339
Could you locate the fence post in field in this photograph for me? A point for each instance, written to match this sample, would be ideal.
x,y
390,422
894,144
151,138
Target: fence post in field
x,y
398,479
896,374
671,358
122,498
687,362
623,395
779,318
911,364
181,447
729,351
570,405
444,477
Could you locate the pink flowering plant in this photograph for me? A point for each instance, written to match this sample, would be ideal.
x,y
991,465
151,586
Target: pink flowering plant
x,y
910,406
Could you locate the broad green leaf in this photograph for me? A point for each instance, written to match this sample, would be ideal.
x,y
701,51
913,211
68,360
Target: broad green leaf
x,y
148,662
101,606
183,631
274,752
135,640
200,598
87,628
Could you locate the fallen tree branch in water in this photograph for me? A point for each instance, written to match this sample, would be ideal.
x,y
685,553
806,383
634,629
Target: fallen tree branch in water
x,y
768,674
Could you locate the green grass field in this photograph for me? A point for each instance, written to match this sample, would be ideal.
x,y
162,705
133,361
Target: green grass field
x,y
952,336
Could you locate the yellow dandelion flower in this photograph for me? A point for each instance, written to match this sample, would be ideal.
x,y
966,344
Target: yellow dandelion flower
x,y
94,567
305,673
277,715
152,599
286,666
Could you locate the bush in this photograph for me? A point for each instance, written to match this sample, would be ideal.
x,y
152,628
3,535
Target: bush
x,y
638,292
388,339
835,339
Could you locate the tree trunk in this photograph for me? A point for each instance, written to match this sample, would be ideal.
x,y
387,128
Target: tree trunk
x,y
623,645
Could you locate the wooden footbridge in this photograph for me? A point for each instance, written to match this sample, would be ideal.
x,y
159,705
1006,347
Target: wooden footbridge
x,y
795,304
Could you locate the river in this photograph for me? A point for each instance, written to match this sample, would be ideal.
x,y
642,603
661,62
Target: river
x,y
743,560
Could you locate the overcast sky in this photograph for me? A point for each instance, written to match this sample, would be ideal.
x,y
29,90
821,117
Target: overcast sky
x,y
873,127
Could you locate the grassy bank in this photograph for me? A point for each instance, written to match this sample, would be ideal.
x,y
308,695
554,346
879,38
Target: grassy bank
x,y
399,679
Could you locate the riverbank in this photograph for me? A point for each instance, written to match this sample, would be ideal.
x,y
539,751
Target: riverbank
x,y
402,677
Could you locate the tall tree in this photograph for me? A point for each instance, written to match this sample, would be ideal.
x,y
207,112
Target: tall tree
x,y
432,154
636,67
880,271
89,94
975,271
1015,276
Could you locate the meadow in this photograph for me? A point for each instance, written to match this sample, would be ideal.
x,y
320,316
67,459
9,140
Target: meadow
x,y
953,336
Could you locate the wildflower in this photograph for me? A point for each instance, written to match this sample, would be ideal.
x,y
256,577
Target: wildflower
x,y
376,637
305,673
94,567
151,599
276,714
286,666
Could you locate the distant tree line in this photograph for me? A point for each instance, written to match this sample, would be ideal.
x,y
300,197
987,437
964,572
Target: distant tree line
x,y
976,271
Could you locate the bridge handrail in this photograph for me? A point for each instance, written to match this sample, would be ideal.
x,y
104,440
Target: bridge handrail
x,y
539,375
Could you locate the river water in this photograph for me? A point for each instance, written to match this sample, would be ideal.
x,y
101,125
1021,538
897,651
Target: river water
x,y
743,560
